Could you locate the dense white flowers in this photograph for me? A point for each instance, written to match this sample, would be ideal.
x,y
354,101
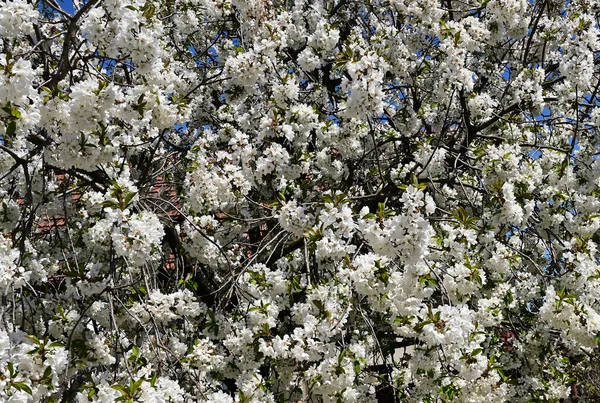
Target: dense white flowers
x,y
267,201
137,238
11,274
17,18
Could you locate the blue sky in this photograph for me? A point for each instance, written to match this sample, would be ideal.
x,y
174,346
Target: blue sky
x,y
67,5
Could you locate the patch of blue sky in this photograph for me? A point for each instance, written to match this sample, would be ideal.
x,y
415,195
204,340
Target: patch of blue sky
x,y
507,72
544,114
67,6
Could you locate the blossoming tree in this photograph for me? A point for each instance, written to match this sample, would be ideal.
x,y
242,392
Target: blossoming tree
x,y
299,200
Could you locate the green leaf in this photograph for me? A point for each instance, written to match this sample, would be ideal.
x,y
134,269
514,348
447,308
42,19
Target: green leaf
x,y
11,129
505,378
419,326
135,351
139,107
128,197
327,199
414,180
134,386
33,339
22,386
148,10
320,306
121,389
110,203
341,199
341,357
153,379
457,38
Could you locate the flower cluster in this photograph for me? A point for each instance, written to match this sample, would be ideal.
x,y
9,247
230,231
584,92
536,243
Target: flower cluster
x,y
244,201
